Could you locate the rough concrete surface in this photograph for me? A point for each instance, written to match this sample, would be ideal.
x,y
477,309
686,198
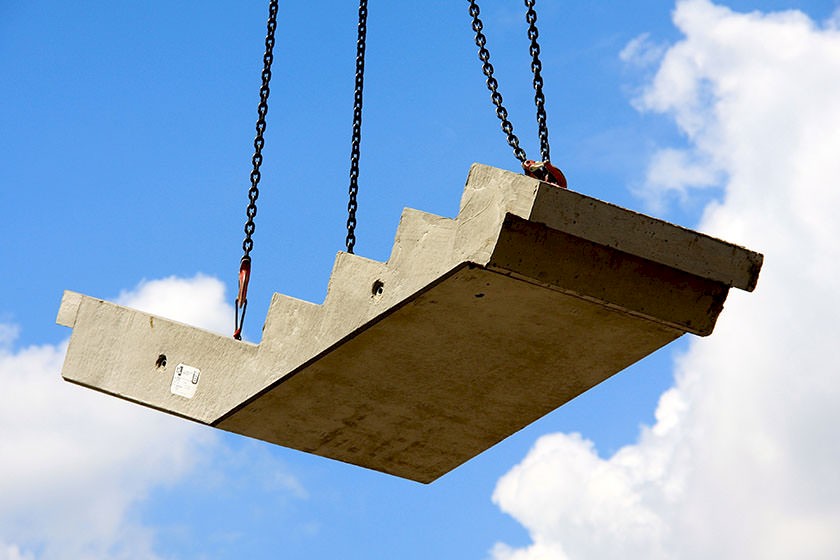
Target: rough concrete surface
x,y
474,328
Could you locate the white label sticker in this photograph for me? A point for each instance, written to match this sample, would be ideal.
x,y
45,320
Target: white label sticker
x,y
185,381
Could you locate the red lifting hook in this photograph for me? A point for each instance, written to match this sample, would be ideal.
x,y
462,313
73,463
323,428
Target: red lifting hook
x,y
242,297
544,171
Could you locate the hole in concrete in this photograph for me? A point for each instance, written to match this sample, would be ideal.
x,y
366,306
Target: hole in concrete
x,y
377,288
479,295
161,361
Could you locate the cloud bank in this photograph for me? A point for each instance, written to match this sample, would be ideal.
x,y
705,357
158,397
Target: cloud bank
x,y
742,460
75,462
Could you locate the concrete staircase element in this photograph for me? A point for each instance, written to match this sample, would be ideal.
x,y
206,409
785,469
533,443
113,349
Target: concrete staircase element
x,y
474,328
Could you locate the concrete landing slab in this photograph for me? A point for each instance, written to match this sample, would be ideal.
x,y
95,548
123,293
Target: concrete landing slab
x,y
474,328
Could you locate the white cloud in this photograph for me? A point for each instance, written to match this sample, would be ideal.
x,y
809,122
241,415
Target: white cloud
x,y
199,301
13,552
8,335
676,171
74,462
642,51
833,21
742,461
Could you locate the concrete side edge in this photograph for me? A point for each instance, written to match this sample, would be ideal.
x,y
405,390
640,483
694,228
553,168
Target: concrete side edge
x,y
756,261
647,237
69,309
117,350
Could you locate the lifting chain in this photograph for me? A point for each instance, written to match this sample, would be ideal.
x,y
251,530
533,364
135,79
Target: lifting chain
x,y
353,205
542,170
492,83
241,302
536,68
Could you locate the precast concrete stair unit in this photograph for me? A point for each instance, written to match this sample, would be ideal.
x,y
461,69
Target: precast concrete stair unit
x,y
474,328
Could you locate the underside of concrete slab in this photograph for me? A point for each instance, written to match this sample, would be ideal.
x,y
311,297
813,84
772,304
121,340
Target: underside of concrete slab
x,y
474,328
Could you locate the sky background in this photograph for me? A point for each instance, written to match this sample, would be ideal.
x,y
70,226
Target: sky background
x,y
126,133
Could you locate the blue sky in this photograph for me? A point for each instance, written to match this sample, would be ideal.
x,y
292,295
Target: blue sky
x,y
125,145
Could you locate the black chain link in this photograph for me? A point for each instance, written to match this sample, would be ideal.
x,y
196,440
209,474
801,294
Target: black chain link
x,y
259,140
492,83
536,68
353,205
241,303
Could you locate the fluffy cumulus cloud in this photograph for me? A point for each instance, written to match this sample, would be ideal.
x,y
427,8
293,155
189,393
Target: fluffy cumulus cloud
x,y
199,301
75,462
742,460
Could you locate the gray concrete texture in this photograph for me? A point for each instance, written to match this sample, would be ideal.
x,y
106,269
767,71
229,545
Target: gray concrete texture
x,y
474,328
